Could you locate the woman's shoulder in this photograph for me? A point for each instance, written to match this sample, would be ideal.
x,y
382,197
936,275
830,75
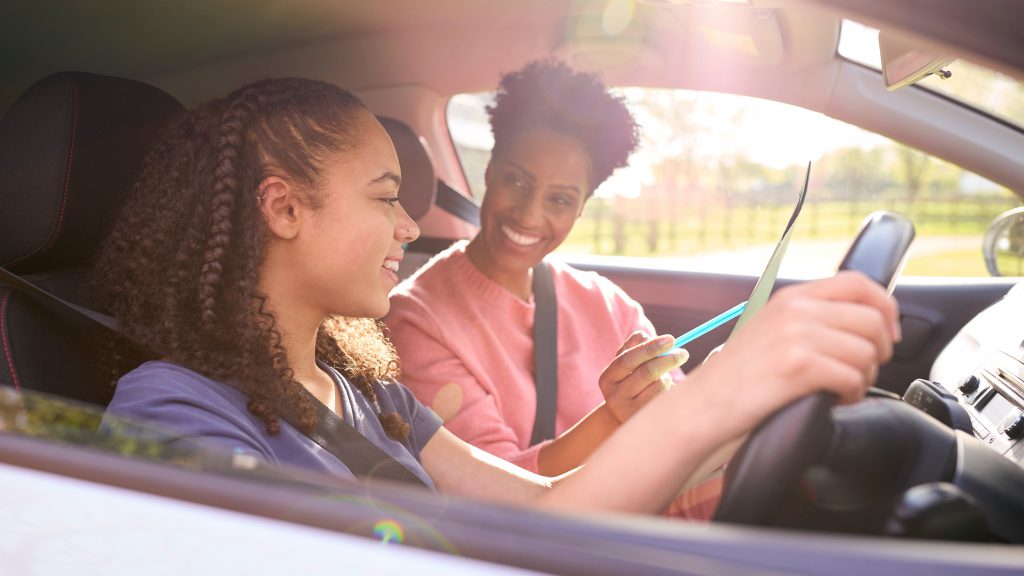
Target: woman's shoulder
x,y
162,381
584,282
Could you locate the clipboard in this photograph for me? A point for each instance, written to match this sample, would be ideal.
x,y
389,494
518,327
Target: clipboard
x,y
763,287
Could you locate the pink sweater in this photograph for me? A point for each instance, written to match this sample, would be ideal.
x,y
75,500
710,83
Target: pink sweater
x,y
466,349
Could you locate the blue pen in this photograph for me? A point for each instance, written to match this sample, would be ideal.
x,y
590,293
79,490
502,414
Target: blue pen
x,y
709,325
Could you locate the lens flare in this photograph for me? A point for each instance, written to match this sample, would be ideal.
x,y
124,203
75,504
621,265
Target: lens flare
x,y
389,531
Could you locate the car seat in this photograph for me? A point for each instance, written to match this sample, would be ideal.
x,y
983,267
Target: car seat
x,y
70,147
420,190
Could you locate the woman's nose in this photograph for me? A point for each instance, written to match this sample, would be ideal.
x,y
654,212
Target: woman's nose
x,y
529,209
406,230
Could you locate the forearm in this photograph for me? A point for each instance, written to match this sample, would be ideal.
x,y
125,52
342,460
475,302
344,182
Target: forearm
x,y
572,448
460,468
642,467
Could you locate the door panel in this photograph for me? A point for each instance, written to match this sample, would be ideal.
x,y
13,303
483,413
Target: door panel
x,y
931,312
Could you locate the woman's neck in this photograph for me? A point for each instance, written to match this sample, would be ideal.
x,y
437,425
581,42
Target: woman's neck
x,y
518,282
298,327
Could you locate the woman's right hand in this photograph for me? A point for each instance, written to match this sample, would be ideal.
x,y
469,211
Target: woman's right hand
x,y
639,373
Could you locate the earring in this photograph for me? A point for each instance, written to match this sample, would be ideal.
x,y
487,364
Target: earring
x,y
260,195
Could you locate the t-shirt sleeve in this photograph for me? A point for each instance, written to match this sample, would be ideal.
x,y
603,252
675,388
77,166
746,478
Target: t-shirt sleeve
x,y
185,409
434,371
422,421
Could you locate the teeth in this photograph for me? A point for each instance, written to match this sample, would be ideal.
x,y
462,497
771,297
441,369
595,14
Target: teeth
x,y
520,239
391,265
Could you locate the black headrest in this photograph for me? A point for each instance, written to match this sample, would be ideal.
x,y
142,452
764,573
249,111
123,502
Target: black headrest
x,y
419,185
69,149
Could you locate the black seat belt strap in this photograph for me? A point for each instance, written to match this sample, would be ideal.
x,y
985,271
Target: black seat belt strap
x,y
364,458
545,353
42,296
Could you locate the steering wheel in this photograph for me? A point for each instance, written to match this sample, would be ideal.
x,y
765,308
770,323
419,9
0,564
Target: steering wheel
x,y
775,456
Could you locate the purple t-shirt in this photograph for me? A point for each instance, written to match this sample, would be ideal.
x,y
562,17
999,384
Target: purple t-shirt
x,y
175,398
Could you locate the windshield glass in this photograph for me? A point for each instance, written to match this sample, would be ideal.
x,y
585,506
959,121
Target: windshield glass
x,y
973,85
714,181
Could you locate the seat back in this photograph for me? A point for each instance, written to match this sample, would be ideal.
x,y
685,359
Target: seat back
x,y
69,150
419,183
421,189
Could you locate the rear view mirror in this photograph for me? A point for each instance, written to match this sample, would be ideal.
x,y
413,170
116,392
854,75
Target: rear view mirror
x,y
905,62
1004,244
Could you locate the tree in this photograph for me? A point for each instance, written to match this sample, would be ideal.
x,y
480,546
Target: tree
x,y
913,168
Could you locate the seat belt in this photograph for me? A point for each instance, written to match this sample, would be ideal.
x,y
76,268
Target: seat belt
x,y
545,315
545,353
362,457
451,201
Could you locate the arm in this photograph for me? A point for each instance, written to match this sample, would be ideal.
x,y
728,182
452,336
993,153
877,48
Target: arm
x,y
626,389
435,370
622,399
442,379
825,335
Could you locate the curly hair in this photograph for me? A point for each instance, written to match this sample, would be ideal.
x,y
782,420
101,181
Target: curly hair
x,y
549,93
180,268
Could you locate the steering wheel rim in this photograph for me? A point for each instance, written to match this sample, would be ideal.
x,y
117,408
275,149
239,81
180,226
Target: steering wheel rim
x,y
770,463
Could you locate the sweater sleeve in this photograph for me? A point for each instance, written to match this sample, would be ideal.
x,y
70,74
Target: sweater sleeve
x,y
434,370
630,315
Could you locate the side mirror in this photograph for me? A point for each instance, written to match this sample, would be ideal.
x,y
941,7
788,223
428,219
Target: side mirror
x,y
1004,244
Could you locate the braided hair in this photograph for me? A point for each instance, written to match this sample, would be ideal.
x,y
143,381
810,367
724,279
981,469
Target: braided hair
x,y
180,268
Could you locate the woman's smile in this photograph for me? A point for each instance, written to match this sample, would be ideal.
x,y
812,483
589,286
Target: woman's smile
x,y
390,269
518,239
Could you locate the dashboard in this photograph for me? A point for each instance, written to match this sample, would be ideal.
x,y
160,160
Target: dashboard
x,y
982,371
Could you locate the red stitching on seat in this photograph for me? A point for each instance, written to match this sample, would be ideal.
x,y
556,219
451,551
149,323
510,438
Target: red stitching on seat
x,y
67,167
7,346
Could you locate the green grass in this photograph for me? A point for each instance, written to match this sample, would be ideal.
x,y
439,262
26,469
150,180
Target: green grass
x,y
696,229
949,263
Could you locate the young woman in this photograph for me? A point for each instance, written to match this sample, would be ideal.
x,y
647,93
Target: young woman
x,y
264,219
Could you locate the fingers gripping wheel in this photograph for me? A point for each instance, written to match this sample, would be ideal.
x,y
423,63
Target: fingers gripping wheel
x,y
773,459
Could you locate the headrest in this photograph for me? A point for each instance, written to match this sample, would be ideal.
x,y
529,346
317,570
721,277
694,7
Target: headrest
x,y
419,185
69,149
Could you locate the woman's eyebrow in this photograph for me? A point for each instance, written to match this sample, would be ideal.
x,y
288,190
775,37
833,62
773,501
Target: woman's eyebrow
x,y
526,173
386,177
567,187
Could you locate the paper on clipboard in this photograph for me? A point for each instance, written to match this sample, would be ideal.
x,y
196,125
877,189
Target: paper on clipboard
x,y
712,465
766,282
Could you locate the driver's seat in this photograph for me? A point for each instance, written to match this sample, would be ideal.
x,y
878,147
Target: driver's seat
x,y
70,147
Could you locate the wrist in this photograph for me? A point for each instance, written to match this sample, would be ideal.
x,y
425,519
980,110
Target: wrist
x,y
604,416
714,408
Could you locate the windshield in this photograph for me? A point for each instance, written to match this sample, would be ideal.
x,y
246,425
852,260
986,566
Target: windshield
x,y
971,84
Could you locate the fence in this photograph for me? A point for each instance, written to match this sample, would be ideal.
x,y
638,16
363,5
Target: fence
x,y
651,226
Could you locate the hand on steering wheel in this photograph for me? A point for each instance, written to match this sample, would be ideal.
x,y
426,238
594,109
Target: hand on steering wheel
x,y
774,457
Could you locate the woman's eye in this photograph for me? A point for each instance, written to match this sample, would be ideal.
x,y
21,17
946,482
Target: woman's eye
x,y
565,201
391,201
515,181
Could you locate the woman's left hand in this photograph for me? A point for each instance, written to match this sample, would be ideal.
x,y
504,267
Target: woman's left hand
x,y
639,373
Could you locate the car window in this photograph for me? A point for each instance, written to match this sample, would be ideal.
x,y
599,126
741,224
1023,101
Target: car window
x,y
34,414
972,85
717,175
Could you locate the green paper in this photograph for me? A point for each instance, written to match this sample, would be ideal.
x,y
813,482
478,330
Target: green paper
x,y
763,288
